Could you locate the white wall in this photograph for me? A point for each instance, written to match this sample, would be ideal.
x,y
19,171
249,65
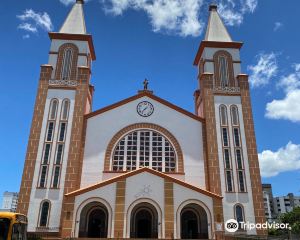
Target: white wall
x,y
105,195
55,196
143,187
102,128
230,199
182,197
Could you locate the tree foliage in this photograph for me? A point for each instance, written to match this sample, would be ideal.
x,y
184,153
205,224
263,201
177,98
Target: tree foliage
x,y
293,219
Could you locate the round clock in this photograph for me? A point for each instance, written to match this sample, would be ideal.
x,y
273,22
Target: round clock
x,y
145,109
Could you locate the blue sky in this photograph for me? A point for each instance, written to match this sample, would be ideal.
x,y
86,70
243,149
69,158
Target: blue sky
x,y
147,39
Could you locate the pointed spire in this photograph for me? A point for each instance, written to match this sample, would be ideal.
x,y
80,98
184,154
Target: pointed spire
x,y
216,30
75,23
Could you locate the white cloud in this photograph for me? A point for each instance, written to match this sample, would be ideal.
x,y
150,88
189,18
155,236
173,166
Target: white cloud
x,y
182,17
277,26
233,11
31,21
283,160
172,16
249,5
230,16
289,107
265,68
27,27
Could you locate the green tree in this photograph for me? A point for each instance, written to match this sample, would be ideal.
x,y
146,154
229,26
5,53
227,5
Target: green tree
x,y
293,219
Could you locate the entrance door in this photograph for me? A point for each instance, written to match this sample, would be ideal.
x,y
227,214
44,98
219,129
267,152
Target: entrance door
x,y
194,224
144,222
189,225
97,224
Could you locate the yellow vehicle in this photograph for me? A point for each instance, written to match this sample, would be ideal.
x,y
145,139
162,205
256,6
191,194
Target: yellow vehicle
x,y
13,226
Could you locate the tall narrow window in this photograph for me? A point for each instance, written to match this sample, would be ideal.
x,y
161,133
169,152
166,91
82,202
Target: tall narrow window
x,y
67,64
236,137
223,115
42,183
241,181
226,148
62,131
50,131
227,158
53,109
59,153
239,214
65,109
238,148
234,115
223,70
229,181
239,160
46,153
44,214
225,137
56,176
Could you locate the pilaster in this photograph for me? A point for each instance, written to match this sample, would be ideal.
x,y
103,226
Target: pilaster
x,y
169,209
73,172
211,145
34,137
119,209
254,170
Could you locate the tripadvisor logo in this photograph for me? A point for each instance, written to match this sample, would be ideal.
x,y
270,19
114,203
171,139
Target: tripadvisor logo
x,y
232,225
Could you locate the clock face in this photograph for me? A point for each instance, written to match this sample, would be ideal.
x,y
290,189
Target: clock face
x,y
145,109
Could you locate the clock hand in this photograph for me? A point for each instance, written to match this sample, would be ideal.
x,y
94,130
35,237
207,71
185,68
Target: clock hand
x,y
144,110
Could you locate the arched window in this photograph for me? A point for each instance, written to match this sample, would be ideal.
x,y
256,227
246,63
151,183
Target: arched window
x,y
223,70
223,115
53,109
234,115
144,148
67,64
65,109
224,73
44,214
239,214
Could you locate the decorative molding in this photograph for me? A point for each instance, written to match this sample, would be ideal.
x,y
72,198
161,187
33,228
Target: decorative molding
x,y
227,90
144,192
68,83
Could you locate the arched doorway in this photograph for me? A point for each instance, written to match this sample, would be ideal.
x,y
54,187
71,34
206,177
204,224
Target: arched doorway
x,y
194,223
93,221
144,221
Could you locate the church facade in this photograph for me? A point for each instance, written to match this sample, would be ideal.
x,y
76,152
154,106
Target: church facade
x,y
142,167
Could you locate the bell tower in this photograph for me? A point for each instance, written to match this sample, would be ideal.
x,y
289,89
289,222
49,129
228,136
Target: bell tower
x,y
223,99
64,96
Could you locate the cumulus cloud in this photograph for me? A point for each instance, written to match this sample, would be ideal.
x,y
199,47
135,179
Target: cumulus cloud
x,y
171,16
27,27
32,21
283,160
277,26
265,68
181,17
287,108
